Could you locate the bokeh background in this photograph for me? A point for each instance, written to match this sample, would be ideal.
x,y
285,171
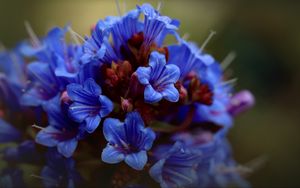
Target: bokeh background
x,y
265,35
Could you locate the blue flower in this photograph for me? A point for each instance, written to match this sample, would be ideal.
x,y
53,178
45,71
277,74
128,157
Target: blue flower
x,y
88,104
12,78
8,133
25,152
56,64
94,48
152,30
220,169
12,177
61,132
128,141
60,171
189,58
43,86
159,79
241,102
156,27
177,167
216,167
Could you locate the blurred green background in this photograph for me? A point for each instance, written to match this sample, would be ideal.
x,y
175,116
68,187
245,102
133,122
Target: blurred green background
x,y
266,38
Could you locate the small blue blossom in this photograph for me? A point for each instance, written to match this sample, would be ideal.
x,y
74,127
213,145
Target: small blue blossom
x,y
177,167
25,152
60,171
189,58
156,27
12,78
61,132
217,167
159,79
94,48
12,177
8,133
43,85
56,64
88,104
128,141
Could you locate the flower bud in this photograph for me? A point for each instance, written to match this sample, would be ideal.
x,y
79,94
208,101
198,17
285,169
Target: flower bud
x,y
126,104
241,102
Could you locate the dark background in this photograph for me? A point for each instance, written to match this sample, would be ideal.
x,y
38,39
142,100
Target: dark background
x,y
265,35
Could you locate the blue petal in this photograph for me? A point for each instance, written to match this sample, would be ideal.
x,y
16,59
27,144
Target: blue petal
x,y
172,72
91,86
143,74
151,96
67,148
133,125
156,171
111,155
78,111
157,63
106,105
92,123
114,131
137,160
8,133
45,136
78,94
170,93
149,137
56,116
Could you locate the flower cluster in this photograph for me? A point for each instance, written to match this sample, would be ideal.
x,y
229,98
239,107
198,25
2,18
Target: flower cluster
x,y
120,95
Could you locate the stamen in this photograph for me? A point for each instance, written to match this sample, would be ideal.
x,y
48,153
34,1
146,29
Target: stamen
x,y
43,178
160,5
212,33
256,163
76,35
186,36
118,7
230,82
2,47
34,39
36,126
124,6
228,60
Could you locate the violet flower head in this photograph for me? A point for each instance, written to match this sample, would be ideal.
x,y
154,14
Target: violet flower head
x,y
128,141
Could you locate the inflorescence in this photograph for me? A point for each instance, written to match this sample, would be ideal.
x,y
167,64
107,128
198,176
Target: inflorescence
x,y
122,96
